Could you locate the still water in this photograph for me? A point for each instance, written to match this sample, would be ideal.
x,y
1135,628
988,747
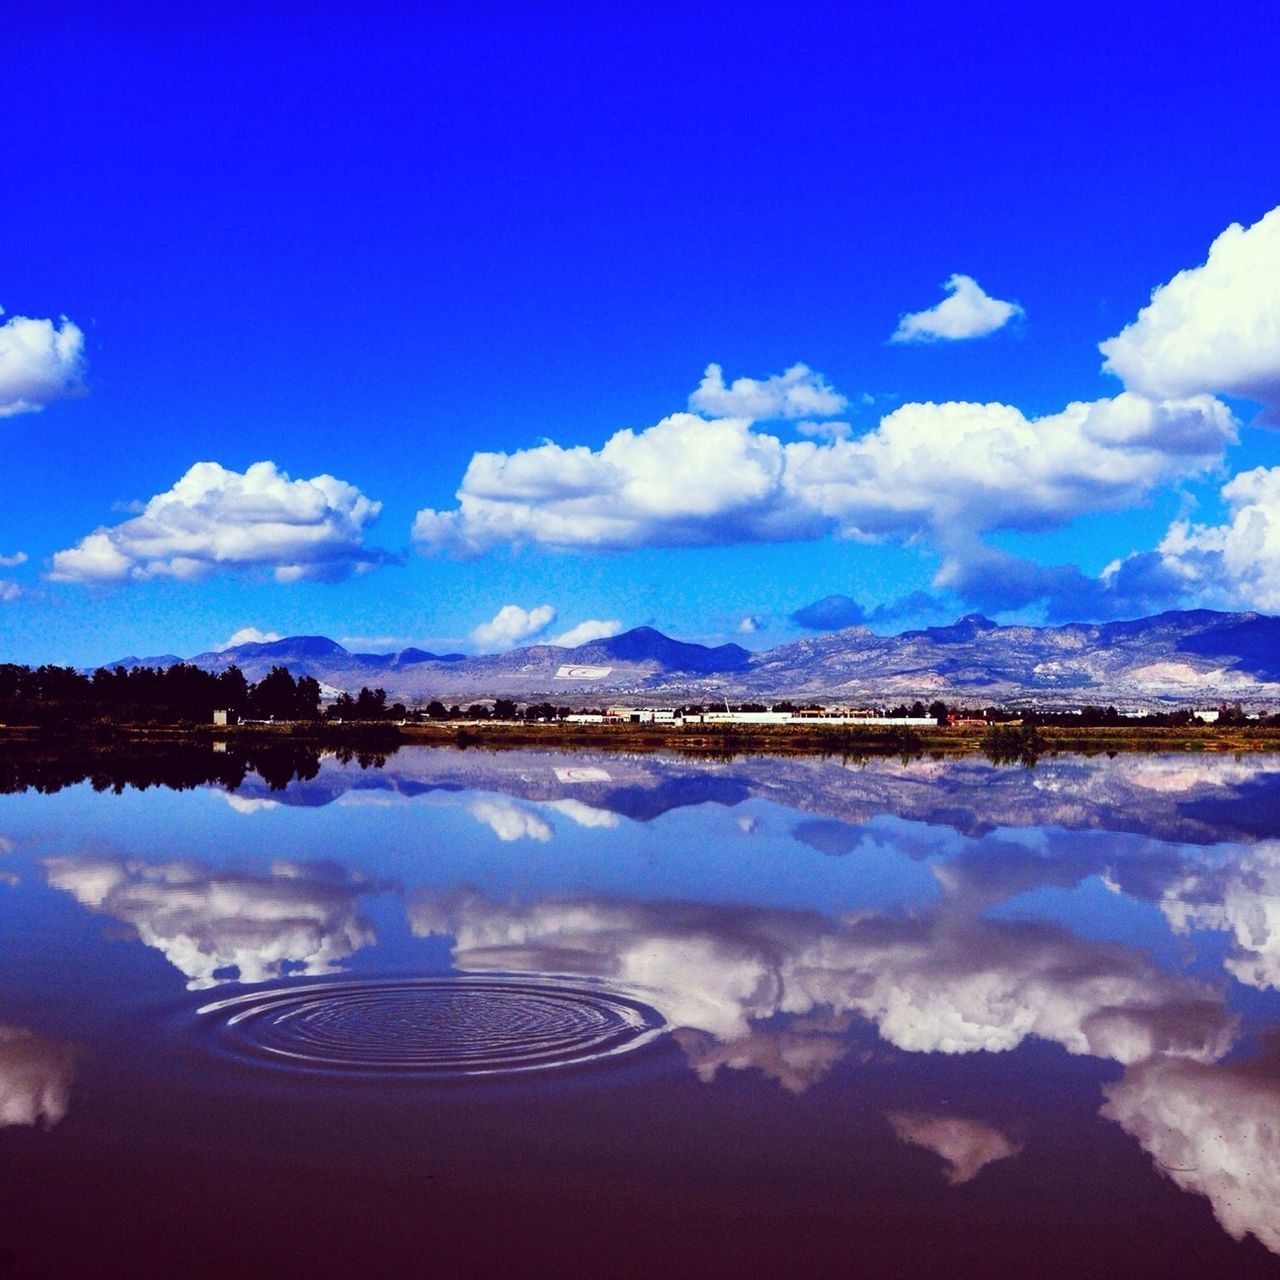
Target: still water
x,y
524,1014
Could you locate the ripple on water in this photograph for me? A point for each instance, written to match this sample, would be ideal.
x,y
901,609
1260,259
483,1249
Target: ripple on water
x,y
447,1026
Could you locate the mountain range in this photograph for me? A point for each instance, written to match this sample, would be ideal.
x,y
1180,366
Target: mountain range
x,y
1197,656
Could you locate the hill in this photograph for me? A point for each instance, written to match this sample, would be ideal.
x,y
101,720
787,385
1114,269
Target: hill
x,y
1194,656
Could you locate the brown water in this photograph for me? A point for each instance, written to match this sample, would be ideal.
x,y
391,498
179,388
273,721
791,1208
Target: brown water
x,y
525,1014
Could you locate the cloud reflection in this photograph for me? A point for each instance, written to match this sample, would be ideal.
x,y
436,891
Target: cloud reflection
x,y
300,918
966,1146
36,1075
937,983
509,821
1214,1130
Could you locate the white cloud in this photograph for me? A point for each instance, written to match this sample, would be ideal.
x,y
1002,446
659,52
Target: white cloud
x,y
835,430
510,822
936,985
584,815
12,562
35,1077
1240,896
9,591
301,918
1214,1130
1236,564
967,1146
942,473
511,624
585,632
800,392
215,519
249,635
40,362
1214,327
969,312
749,625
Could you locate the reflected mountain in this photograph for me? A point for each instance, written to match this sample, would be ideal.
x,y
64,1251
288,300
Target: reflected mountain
x,y
36,1075
1204,800
218,925
1173,798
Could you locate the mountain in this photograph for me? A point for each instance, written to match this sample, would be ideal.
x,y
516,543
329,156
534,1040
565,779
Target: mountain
x,y
1181,658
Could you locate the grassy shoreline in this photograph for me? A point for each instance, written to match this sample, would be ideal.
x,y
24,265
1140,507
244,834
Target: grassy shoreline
x,y
712,740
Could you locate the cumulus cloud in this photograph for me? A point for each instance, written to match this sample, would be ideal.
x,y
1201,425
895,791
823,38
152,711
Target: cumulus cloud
x,y
936,984
511,624
12,562
510,821
1236,563
40,362
585,632
1215,327
800,392
36,1075
9,591
969,312
214,519
249,635
1214,1130
584,815
946,474
796,1059
299,919
834,430
1239,896
749,625
966,1146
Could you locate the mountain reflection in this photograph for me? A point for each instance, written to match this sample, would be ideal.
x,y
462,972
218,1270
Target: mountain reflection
x,y
1173,798
36,1074
213,925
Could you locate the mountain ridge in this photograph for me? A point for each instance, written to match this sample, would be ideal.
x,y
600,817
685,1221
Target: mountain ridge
x,y
1177,656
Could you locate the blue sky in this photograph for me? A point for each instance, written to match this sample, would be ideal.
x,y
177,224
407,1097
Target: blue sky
x,y
375,244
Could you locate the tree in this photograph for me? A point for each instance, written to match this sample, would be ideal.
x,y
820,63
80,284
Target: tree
x,y
275,696
371,704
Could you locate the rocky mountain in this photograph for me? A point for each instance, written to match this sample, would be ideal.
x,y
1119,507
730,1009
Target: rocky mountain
x,y
1181,658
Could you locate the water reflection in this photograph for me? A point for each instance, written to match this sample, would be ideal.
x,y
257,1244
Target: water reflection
x,y
804,922
966,1146
36,1075
941,982
1213,1129
213,925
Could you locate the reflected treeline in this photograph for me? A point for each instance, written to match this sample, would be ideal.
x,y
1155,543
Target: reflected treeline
x,y
179,766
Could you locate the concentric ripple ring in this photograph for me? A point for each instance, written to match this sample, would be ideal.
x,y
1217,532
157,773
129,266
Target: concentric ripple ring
x,y
452,1026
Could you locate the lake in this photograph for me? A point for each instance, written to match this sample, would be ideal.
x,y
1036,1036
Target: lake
x,y
458,1013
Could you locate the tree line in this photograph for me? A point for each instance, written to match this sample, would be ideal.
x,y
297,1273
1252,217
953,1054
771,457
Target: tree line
x,y
180,694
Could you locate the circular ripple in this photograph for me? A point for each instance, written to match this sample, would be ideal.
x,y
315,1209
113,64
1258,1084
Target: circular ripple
x,y
432,1026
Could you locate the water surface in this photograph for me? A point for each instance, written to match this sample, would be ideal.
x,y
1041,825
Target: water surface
x,y
524,1013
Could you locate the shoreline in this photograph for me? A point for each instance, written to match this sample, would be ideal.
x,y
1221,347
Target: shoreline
x,y
692,740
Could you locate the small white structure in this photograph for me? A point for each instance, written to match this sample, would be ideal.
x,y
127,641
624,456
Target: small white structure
x,y
220,718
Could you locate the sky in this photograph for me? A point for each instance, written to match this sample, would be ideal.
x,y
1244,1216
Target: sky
x,y
470,326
